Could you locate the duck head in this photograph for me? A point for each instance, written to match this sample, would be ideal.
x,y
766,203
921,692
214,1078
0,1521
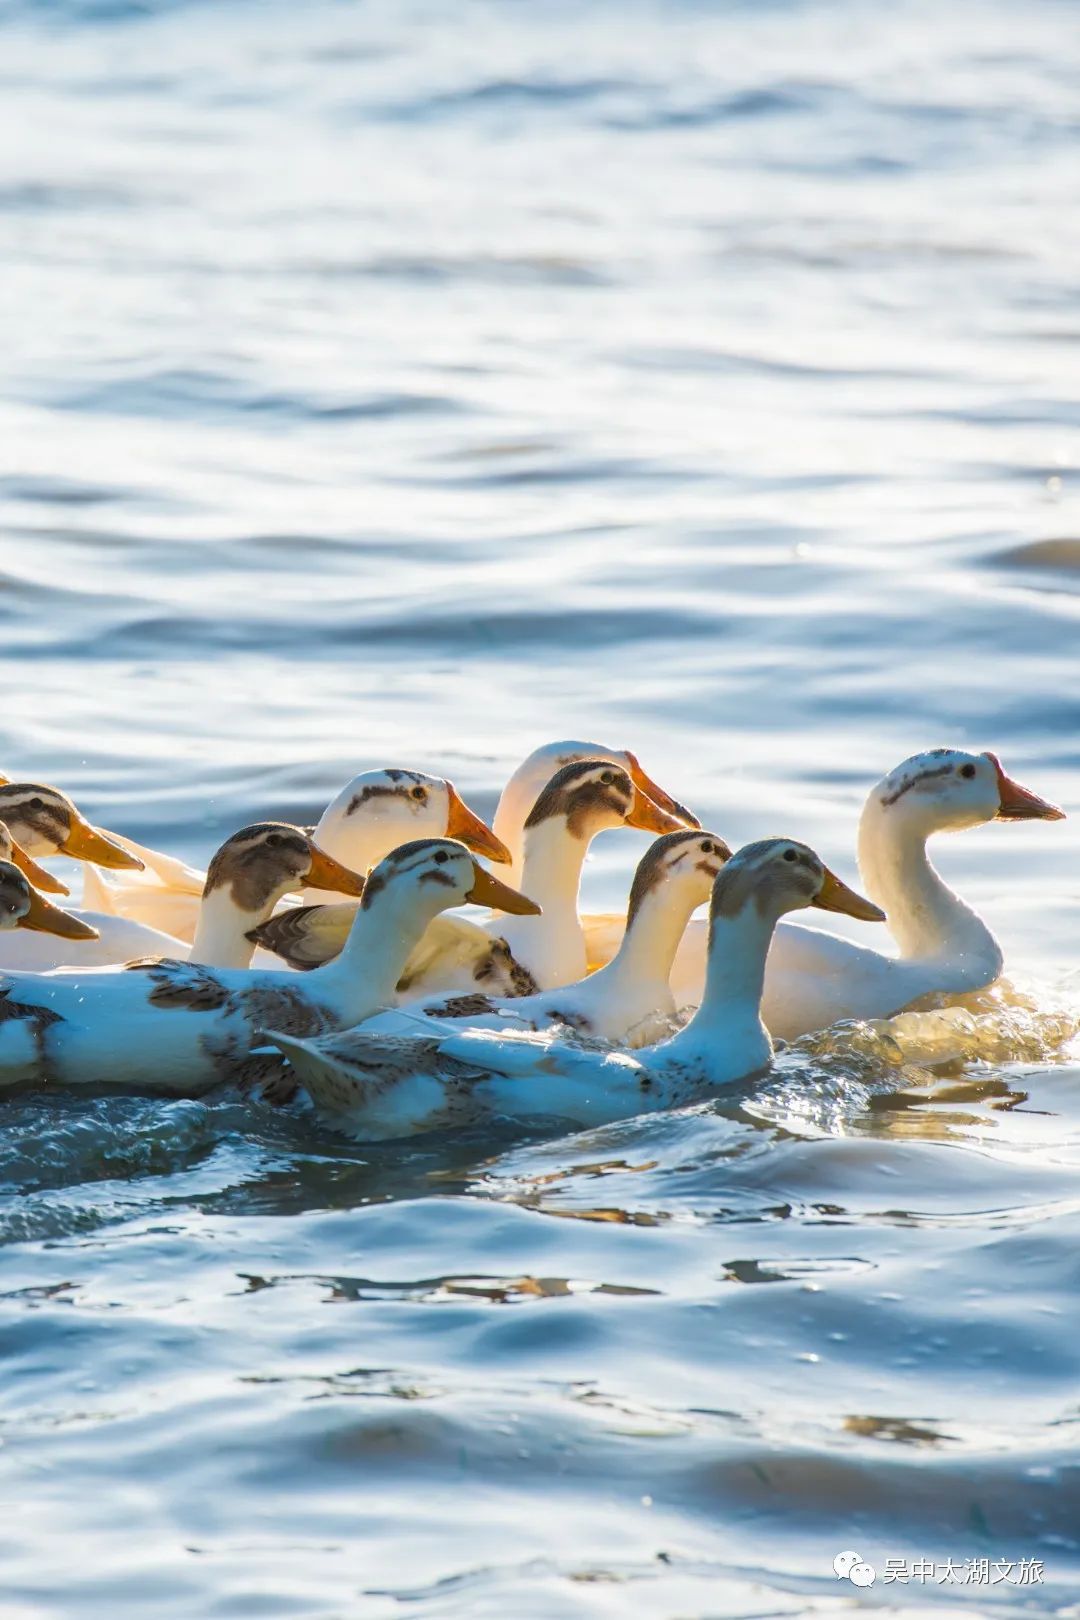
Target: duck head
x,y
262,863
947,789
436,873
776,875
688,861
13,852
531,775
593,794
22,907
45,822
393,807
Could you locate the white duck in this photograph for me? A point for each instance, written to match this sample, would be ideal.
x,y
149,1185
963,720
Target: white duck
x,y
524,787
814,978
628,1001
157,869
251,872
180,1027
380,1086
373,814
512,955
23,908
45,822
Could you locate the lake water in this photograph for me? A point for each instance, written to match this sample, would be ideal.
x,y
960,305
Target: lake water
x,y
411,383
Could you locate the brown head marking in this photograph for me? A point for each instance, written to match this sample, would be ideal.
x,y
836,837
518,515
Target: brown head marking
x,y
579,794
656,863
407,785
742,883
35,812
909,782
256,861
380,876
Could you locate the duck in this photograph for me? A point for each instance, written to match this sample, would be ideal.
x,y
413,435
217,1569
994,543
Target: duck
x,y
374,812
45,822
251,872
508,956
528,781
815,978
23,907
156,867
180,1028
629,1000
15,855
164,869
387,1086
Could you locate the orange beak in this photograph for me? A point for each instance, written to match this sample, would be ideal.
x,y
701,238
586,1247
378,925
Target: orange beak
x,y
461,823
1019,803
88,843
491,891
649,816
835,895
45,918
326,873
4,780
655,792
37,874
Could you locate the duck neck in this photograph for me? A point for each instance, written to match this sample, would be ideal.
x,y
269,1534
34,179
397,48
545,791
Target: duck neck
x,y
726,1039
735,972
551,946
379,943
508,824
221,929
926,919
644,960
520,794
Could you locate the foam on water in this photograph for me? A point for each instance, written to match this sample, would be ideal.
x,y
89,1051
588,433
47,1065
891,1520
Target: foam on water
x,y
414,383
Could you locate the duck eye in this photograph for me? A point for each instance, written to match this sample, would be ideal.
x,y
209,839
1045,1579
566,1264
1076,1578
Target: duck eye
x,y
707,848
273,840
968,771
418,793
607,776
441,857
790,855
37,804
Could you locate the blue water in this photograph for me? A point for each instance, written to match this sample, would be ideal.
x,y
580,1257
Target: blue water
x,y
414,383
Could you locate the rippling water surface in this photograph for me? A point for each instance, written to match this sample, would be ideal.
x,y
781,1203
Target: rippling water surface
x,y
410,382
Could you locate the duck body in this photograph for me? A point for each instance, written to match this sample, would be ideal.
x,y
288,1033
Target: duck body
x,y
814,978
118,939
630,999
168,1026
377,1086
384,1087
181,1027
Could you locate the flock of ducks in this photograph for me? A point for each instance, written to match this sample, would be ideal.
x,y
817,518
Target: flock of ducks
x,y
337,959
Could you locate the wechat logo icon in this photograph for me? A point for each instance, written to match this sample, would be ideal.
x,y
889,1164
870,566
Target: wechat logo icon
x,y
849,1566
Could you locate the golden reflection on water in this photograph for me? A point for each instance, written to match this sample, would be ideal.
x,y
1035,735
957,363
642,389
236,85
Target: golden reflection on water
x,y
442,1290
898,1430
